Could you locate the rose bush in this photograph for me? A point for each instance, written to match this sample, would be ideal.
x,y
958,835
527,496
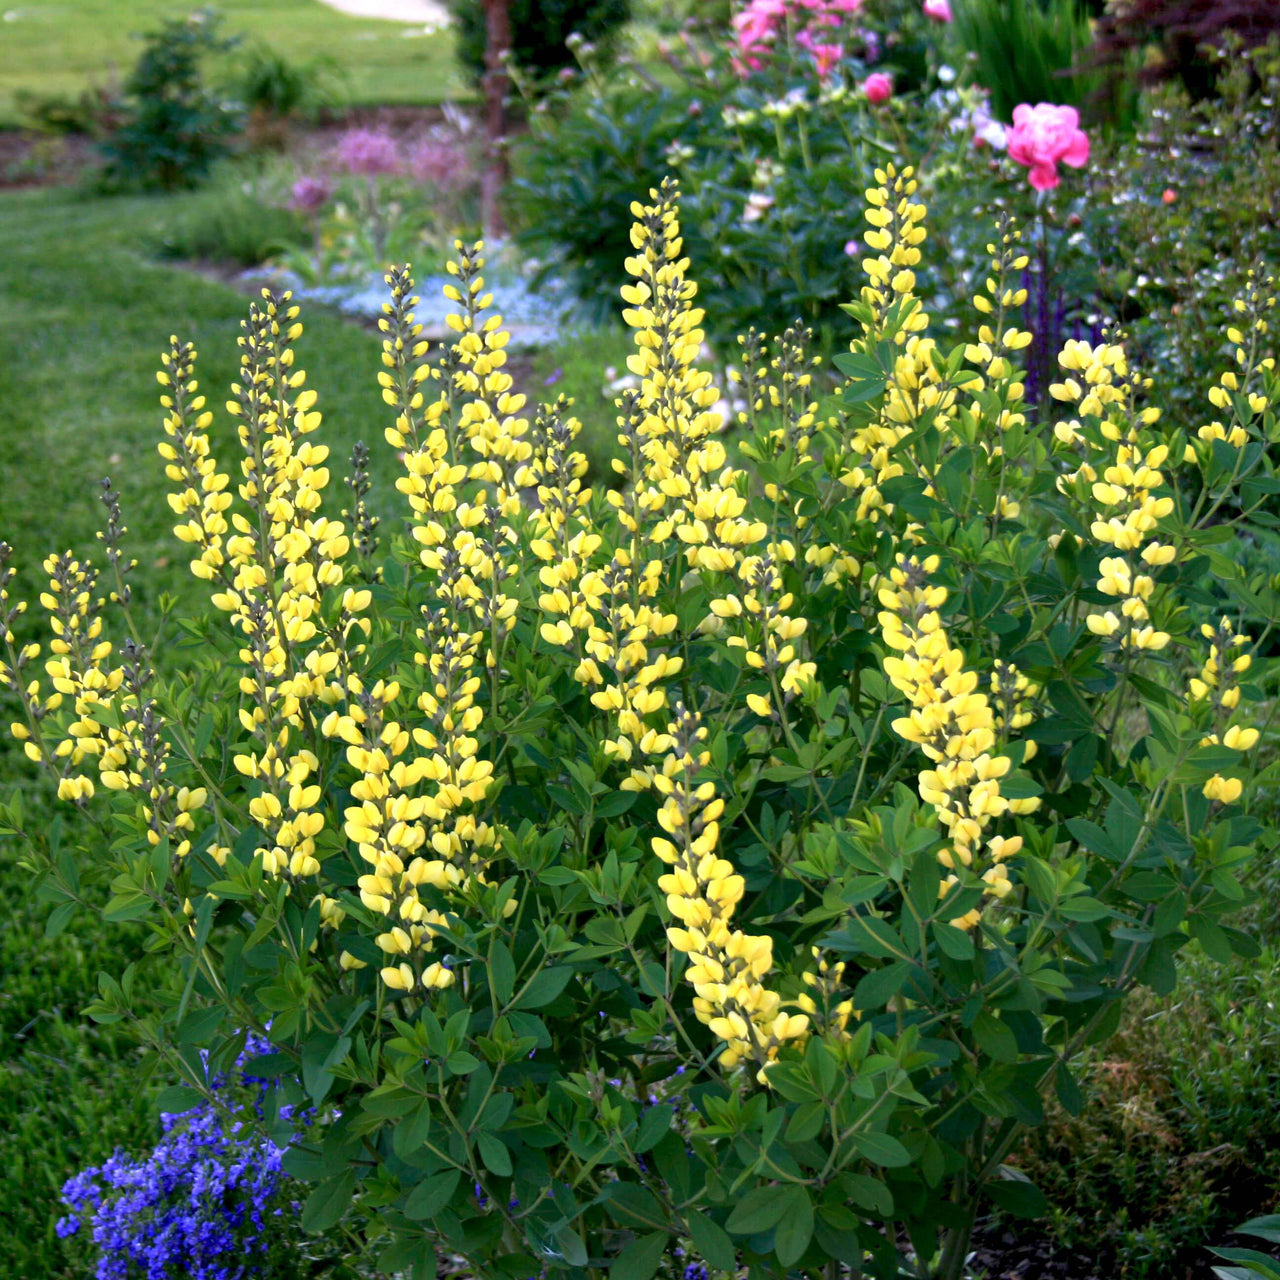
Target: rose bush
x,y
734,860
774,157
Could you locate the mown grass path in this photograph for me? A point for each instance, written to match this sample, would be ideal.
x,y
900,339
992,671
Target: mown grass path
x,y
62,46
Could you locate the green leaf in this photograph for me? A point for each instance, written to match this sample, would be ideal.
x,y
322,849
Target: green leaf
x,y
197,1027
572,1249
757,1211
1265,1228
431,1195
1095,839
867,936
869,1193
1069,1092
494,1153
328,1202
544,987
654,1126
877,988
633,1206
883,1150
795,1230
1018,1197
712,1243
641,1258
952,942
1211,938
178,1098
127,906
807,1122
502,972
616,804
319,1056
413,1258
411,1132
59,918
1256,1263
994,1038
1084,909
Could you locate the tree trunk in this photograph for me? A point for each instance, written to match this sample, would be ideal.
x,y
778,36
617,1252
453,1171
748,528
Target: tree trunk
x,y
497,26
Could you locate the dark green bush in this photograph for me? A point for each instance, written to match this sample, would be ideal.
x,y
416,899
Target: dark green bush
x,y
539,29
267,83
578,175
174,125
1185,30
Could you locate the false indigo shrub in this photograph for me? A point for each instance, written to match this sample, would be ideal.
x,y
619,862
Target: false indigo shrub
x,y
847,795
210,1202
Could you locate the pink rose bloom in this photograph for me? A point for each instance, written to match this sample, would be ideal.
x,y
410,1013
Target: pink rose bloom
x,y
1043,135
756,24
938,10
826,57
845,6
878,87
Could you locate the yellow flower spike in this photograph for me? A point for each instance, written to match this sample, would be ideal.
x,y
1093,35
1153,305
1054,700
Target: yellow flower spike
x,y
727,967
953,724
465,548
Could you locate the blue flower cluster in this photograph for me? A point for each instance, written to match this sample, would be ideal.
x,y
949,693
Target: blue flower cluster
x,y
205,1204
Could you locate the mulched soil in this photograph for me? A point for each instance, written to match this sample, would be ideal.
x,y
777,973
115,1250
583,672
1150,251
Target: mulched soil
x,y
1001,1253
36,160
31,159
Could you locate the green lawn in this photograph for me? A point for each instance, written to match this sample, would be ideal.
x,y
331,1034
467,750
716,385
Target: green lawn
x,y
82,322
62,46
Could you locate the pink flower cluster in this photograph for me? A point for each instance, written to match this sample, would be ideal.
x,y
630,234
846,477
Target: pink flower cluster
x,y
439,163
309,194
817,24
368,152
1042,136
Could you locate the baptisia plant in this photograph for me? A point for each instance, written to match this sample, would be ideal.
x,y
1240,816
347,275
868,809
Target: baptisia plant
x,y
733,861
